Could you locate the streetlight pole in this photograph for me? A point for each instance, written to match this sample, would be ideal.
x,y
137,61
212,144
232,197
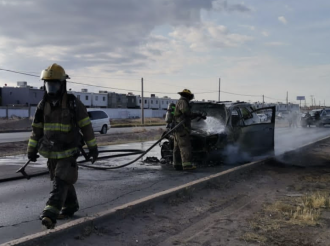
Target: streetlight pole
x,y
142,103
219,89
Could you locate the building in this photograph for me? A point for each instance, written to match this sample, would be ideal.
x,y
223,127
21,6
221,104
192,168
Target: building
x,y
99,100
84,96
280,107
22,95
116,100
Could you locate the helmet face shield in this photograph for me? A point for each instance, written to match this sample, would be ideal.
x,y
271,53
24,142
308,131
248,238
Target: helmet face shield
x,y
52,87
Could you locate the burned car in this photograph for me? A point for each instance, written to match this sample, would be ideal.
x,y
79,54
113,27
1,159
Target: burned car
x,y
230,129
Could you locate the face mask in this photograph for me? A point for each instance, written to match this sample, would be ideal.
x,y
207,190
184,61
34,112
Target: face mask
x,y
52,87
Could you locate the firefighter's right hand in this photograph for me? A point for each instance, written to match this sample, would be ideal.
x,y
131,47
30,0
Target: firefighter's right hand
x,y
32,156
94,153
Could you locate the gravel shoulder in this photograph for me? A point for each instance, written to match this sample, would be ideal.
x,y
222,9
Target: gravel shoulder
x,y
285,202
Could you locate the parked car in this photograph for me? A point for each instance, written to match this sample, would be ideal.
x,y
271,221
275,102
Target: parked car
x,y
316,117
99,119
228,126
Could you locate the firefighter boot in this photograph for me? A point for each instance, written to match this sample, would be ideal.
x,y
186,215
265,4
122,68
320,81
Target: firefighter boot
x,y
71,204
67,212
48,223
188,166
48,219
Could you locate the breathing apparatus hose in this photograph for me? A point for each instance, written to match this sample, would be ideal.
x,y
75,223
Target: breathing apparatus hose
x,y
80,163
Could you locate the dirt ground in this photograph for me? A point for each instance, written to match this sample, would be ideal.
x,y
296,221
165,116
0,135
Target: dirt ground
x,y
15,148
285,202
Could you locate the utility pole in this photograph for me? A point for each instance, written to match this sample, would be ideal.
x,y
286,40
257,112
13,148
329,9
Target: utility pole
x,y
287,100
263,100
312,100
142,103
219,89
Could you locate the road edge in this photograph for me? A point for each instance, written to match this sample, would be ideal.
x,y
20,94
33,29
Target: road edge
x,y
80,224
90,221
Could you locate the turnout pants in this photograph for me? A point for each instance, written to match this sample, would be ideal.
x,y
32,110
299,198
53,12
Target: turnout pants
x,y
63,197
182,149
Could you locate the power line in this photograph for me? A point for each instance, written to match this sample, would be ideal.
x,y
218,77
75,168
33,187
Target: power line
x,y
103,77
276,99
98,86
7,70
121,89
240,94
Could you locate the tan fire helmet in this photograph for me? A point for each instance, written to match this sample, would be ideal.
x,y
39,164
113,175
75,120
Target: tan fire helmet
x,y
54,72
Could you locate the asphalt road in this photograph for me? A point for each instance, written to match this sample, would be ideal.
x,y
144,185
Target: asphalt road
x,y
22,136
22,201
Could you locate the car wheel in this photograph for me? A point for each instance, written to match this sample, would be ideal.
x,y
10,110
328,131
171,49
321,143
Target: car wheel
x,y
104,129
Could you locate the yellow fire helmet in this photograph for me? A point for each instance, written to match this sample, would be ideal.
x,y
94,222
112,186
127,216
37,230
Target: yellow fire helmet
x,y
54,72
187,93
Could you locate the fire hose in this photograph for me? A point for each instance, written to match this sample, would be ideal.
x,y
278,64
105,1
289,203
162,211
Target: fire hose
x,y
131,152
131,162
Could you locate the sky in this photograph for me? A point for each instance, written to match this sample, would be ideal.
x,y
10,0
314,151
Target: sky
x,y
256,47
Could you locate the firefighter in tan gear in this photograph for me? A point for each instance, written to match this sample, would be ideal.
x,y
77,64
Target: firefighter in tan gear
x,y
182,156
58,121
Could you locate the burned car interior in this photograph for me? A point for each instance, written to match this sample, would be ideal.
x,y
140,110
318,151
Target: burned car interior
x,y
228,125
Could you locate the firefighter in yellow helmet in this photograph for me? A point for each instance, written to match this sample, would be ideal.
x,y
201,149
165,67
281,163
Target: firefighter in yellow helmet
x,y
182,158
58,121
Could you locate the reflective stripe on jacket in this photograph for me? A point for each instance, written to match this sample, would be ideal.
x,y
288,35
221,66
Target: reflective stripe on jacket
x,y
55,129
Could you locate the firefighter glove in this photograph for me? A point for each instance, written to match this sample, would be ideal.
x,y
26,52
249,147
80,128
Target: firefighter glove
x,y
93,153
32,156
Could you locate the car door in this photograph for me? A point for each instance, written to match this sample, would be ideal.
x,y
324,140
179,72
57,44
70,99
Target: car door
x,y
255,137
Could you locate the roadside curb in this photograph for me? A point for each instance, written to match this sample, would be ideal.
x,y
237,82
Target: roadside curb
x,y
79,224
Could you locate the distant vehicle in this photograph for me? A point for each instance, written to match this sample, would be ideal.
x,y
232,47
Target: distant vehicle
x,y
228,125
318,117
262,117
99,119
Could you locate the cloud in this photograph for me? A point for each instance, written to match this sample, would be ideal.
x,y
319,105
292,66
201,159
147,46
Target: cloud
x,y
224,6
282,20
275,44
87,33
265,34
208,35
252,28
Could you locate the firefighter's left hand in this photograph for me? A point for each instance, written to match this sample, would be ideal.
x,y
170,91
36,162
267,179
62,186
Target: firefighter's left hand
x,y
93,153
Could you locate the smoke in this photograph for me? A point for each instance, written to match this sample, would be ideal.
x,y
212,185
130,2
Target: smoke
x,y
233,155
211,125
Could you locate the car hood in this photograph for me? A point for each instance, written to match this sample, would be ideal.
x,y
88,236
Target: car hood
x,y
215,122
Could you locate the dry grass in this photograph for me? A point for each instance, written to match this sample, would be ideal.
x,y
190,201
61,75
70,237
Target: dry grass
x,y
253,237
302,211
307,212
324,178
